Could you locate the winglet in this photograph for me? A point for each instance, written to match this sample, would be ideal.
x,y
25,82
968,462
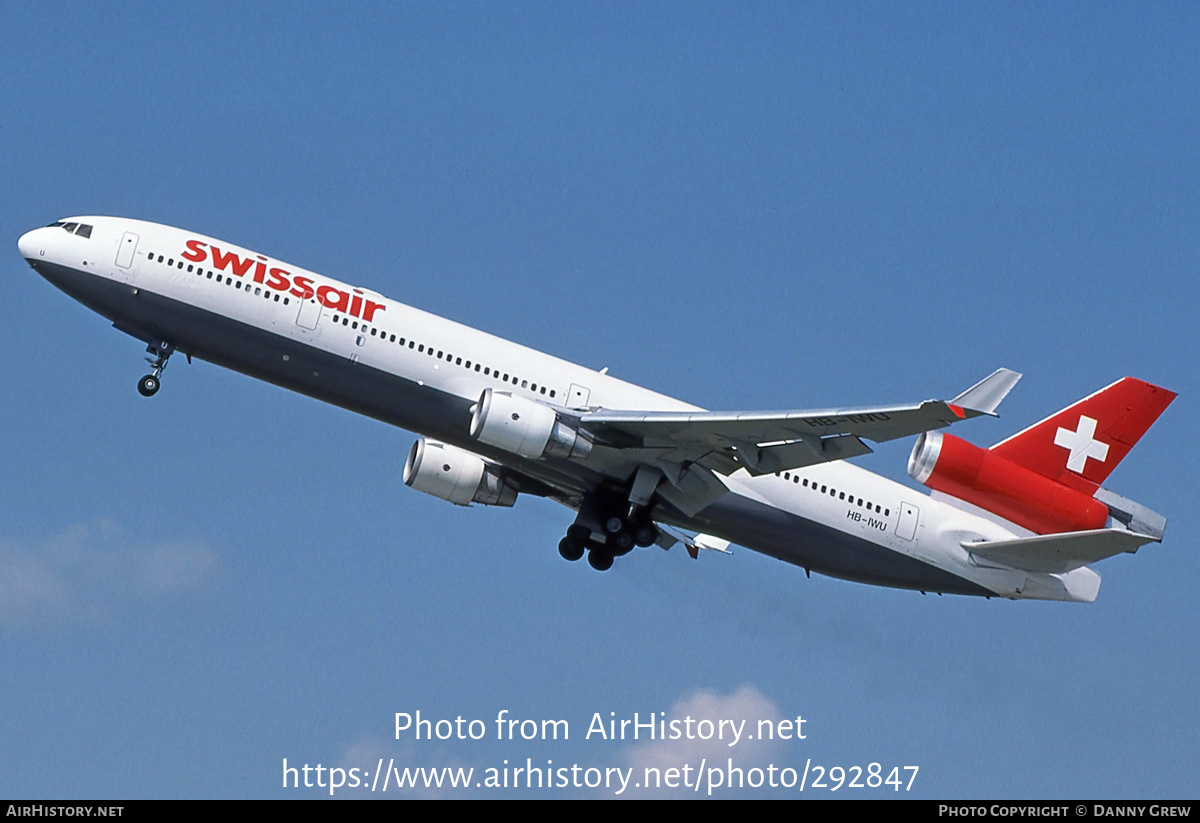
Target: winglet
x,y
985,396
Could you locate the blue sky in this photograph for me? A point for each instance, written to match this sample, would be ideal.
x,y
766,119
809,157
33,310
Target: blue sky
x,y
770,205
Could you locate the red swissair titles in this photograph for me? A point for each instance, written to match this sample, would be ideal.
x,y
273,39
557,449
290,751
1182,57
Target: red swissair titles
x,y
299,285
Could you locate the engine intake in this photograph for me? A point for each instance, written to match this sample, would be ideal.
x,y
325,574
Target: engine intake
x,y
456,475
955,467
526,427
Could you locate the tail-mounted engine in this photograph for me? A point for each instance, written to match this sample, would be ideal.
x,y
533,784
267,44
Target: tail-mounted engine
x,y
456,475
526,427
955,467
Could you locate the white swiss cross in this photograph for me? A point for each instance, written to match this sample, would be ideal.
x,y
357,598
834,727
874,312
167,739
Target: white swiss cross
x,y
1081,444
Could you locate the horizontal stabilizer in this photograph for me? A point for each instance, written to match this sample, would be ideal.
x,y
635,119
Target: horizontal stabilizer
x,y
1058,553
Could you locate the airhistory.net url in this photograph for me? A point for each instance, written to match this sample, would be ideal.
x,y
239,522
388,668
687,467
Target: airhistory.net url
x,y
711,778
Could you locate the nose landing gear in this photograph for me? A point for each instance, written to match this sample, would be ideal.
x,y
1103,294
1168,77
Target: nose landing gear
x,y
148,386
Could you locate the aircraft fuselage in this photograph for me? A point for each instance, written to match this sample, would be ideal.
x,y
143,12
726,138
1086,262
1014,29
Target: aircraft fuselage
x,y
352,347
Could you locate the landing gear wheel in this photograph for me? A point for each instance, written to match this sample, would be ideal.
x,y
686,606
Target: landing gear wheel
x,y
162,351
621,542
148,386
600,560
570,549
613,524
645,535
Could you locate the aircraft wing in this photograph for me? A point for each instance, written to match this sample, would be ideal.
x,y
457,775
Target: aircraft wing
x,y
764,442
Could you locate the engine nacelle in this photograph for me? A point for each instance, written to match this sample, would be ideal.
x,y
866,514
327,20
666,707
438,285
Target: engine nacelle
x,y
526,427
456,475
953,466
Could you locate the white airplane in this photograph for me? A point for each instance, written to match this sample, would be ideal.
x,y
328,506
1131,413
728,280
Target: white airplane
x,y
1022,519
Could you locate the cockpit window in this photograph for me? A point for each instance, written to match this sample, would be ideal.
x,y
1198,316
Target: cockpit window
x,y
81,229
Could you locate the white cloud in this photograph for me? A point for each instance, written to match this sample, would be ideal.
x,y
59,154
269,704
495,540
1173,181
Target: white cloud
x,y
85,572
369,755
742,710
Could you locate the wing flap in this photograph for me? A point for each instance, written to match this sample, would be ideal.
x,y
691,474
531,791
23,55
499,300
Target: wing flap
x,y
669,536
777,457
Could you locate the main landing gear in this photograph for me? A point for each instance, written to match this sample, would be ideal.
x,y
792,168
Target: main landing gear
x,y
162,350
621,525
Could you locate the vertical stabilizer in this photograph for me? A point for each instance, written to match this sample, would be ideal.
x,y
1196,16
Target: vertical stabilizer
x,y
1082,444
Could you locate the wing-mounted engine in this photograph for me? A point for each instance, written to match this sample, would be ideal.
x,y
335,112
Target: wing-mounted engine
x,y
456,475
527,428
955,467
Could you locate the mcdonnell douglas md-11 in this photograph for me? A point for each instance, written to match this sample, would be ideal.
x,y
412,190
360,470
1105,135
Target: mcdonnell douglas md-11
x,y
495,420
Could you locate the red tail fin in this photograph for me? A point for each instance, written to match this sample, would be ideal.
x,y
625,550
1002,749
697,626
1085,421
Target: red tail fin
x,y
1081,445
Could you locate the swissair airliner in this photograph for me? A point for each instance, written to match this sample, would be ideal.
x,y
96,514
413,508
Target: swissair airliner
x,y
496,420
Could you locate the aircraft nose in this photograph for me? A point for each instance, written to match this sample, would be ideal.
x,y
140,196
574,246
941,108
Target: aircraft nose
x,y
29,245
